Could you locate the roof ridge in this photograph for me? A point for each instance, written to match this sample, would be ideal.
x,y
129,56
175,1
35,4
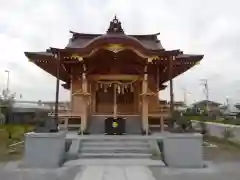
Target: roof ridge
x,y
97,34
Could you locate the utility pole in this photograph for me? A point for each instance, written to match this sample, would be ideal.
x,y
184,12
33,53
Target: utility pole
x,y
206,91
7,86
185,95
227,103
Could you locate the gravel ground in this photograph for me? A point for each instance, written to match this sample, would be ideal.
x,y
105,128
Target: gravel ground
x,y
222,154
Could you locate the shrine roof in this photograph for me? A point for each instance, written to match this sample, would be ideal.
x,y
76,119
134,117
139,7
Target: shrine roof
x,y
149,41
147,48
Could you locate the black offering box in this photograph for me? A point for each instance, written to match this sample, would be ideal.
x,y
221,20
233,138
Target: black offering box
x,y
115,126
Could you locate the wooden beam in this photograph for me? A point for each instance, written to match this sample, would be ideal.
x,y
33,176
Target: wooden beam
x,y
114,77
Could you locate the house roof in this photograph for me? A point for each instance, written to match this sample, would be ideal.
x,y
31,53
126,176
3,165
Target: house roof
x,y
32,106
205,102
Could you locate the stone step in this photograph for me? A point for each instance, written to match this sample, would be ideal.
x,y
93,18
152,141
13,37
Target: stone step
x,y
114,161
113,150
115,143
113,138
114,155
108,148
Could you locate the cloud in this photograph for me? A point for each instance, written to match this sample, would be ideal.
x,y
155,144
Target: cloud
x,y
201,26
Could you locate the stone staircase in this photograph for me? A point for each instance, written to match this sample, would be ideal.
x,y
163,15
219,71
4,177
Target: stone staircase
x,y
114,148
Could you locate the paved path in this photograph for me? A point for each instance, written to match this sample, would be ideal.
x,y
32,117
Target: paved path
x,y
221,171
115,172
99,172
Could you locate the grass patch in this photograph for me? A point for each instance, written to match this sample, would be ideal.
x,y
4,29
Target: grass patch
x,y
10,134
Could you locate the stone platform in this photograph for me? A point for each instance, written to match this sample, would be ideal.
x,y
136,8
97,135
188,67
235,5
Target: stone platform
x,y
176,150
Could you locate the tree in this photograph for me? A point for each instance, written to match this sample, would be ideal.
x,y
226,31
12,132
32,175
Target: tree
x,y
182,124
2,117
6,104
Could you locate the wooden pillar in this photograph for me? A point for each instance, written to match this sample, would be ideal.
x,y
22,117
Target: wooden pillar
x,y
85,100
71,94
161,123
56,118
66,123
172,58
114,100
135,98
139,107
70,110
145,101
93,93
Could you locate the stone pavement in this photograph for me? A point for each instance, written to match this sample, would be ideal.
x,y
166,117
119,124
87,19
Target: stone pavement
x,y
115,172
219,171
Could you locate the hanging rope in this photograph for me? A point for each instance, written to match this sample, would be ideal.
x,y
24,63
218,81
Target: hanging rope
x,y
116,82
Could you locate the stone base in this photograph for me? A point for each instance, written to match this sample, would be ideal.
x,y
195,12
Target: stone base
x,y
183,150
84,133
145,133
97,125
44,150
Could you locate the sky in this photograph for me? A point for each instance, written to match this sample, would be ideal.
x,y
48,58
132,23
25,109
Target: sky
x,y
208,27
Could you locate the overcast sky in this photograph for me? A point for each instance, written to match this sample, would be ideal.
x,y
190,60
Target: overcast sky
x,y
209,27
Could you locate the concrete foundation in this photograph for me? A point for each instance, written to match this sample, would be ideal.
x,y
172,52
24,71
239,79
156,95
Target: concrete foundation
x,y
44,150
183,150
